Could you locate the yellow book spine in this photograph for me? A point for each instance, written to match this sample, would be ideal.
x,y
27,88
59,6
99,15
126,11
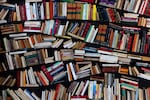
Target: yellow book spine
x,y
94,12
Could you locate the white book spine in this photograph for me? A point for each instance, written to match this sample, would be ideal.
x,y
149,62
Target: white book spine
x,y
42,11
137,6
43,96
84,12
31,11
34,11
28,12
64,9
10,62
85,88
94,35
73,71
33,77
60,30
5,40
17,52
67,45
23,61
70,46
90,90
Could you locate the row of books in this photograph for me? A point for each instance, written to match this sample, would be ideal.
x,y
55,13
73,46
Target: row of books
x,y
135,20
50,10
125,38
54,73
112,88
139,6
108,35
22,41
24,58
67,72
76,10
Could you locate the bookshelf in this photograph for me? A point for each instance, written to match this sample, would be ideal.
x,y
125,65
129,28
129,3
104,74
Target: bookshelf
x,y
74,50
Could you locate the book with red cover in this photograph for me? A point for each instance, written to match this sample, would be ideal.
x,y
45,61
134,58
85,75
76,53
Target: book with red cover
x,y
120,41
105,49
145,69
111,37
44,69
57,23
86,29
22,12
18,78
79,97
41,79
111,14
131,83
51,9
109,69
129,43
57,91
32,28
44,6
89,1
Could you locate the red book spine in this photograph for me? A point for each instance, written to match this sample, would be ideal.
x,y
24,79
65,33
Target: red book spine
x,y
32,28
22,12
146,48
18,78
90,1
145,69
129,43
51,9
57,91
111,13
44,6
130,83
44,69
119,43
56,27
86,29
109,69
79,96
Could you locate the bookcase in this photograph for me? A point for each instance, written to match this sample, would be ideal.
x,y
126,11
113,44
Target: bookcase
x,y
74,50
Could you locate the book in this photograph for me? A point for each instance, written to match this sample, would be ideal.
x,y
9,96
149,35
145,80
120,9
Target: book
x,y
108,58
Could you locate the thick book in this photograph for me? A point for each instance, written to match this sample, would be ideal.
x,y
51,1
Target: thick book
x,y
44,69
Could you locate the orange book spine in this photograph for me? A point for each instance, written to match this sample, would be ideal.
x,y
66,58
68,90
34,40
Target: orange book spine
x,y
51,9
41,79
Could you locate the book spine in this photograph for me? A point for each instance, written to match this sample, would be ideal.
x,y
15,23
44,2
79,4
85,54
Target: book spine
x,y
44,69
